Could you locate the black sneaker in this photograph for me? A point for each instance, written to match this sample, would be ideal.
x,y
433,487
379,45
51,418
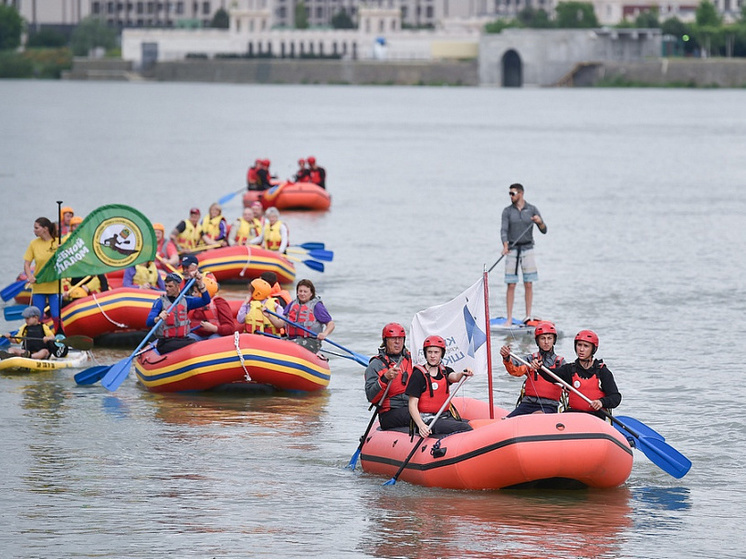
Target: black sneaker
x,y
5,355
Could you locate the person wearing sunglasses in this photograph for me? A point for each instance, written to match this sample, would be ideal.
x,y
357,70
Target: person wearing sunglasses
x,y
516,233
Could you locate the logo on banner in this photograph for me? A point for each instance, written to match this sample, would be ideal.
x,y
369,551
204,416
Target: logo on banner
x,y
117,242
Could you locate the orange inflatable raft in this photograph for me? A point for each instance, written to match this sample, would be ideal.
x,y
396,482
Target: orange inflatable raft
x,y
292,196
548,450
241,359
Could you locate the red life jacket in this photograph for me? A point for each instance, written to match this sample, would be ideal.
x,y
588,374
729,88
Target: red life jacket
x,y
303,315
437,391
589,387
536,385
251,176
399,384
177,323
314,175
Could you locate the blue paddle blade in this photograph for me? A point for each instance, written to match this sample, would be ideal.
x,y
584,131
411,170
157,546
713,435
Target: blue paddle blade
x,y
325,255
12,290
312,246
664,456
228,197
14,312
392,481
353,461
116,375
4,341
91,375
636,426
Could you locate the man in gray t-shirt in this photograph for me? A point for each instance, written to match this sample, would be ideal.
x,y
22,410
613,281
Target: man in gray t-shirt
x,y
516,234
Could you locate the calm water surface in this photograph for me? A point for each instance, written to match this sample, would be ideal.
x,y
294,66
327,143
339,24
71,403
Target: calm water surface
x,y
643,193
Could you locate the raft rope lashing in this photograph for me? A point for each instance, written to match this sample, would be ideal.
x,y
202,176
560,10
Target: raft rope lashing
x,y
236,337
114,322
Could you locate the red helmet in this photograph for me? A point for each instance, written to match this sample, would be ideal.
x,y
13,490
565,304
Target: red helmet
x,y
434,341
266,162
545,328
393,330
311,159
587,336
301,162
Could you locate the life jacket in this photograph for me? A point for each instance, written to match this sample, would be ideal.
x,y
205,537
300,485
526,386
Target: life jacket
x,y
437,391
176,324
190,237
146,273
211,227
303,315
302,175
314,175
536,385
255,320
72,290
246,231
399,384
162,249
272,235
35,331
589,387
281,294
251,176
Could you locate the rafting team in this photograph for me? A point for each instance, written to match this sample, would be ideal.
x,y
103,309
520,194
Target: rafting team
x,y
259,177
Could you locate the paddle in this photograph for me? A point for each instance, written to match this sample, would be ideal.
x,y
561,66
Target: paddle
x,y
318,266
656,449
119,371
318,254
392,481
94,374
228,197
353,461
13,289
83,343
362,359
14,312
638,426
510,247
311,246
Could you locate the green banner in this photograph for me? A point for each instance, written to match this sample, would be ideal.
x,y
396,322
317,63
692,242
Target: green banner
x,y
111,238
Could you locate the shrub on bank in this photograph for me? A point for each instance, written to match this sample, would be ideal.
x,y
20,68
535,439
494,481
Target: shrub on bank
x,y
35,63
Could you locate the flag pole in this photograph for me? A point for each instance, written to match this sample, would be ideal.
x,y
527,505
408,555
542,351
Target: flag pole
x,y
485,280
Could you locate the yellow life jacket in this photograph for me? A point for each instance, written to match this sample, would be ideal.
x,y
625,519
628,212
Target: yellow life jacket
x,y
146,273
272,235
211,226
190,237
247,230
255,319
74,291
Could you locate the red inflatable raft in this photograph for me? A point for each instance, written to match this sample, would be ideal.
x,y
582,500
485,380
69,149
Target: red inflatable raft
x,y
241,359
292,196
243,263
551,450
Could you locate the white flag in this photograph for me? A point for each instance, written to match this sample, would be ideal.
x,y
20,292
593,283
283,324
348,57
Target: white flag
x,y
461,323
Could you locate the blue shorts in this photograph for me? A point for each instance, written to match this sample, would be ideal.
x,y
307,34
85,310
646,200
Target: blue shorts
x,y
526,262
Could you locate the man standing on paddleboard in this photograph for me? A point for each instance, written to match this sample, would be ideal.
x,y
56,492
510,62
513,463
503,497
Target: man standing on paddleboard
x,y
516,233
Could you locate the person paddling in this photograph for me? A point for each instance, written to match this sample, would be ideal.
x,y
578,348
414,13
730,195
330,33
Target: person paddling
x,y
591,377
540,392
387,375
37,338
428,390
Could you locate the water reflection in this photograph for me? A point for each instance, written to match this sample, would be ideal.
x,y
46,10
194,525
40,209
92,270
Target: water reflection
x,y
409,521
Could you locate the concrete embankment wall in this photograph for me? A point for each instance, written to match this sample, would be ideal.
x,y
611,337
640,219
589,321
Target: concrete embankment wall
x,y
353,72
720,72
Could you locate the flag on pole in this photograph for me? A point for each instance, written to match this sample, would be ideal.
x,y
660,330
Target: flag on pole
x,y
461,323
111,238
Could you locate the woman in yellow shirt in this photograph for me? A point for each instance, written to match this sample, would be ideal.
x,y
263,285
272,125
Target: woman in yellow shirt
x,y
39,251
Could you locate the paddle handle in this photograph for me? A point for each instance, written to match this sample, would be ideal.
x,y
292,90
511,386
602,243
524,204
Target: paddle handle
x,y
313,334
430,425
513,244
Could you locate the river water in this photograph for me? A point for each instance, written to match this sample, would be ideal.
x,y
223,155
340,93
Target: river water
x,y
643,193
